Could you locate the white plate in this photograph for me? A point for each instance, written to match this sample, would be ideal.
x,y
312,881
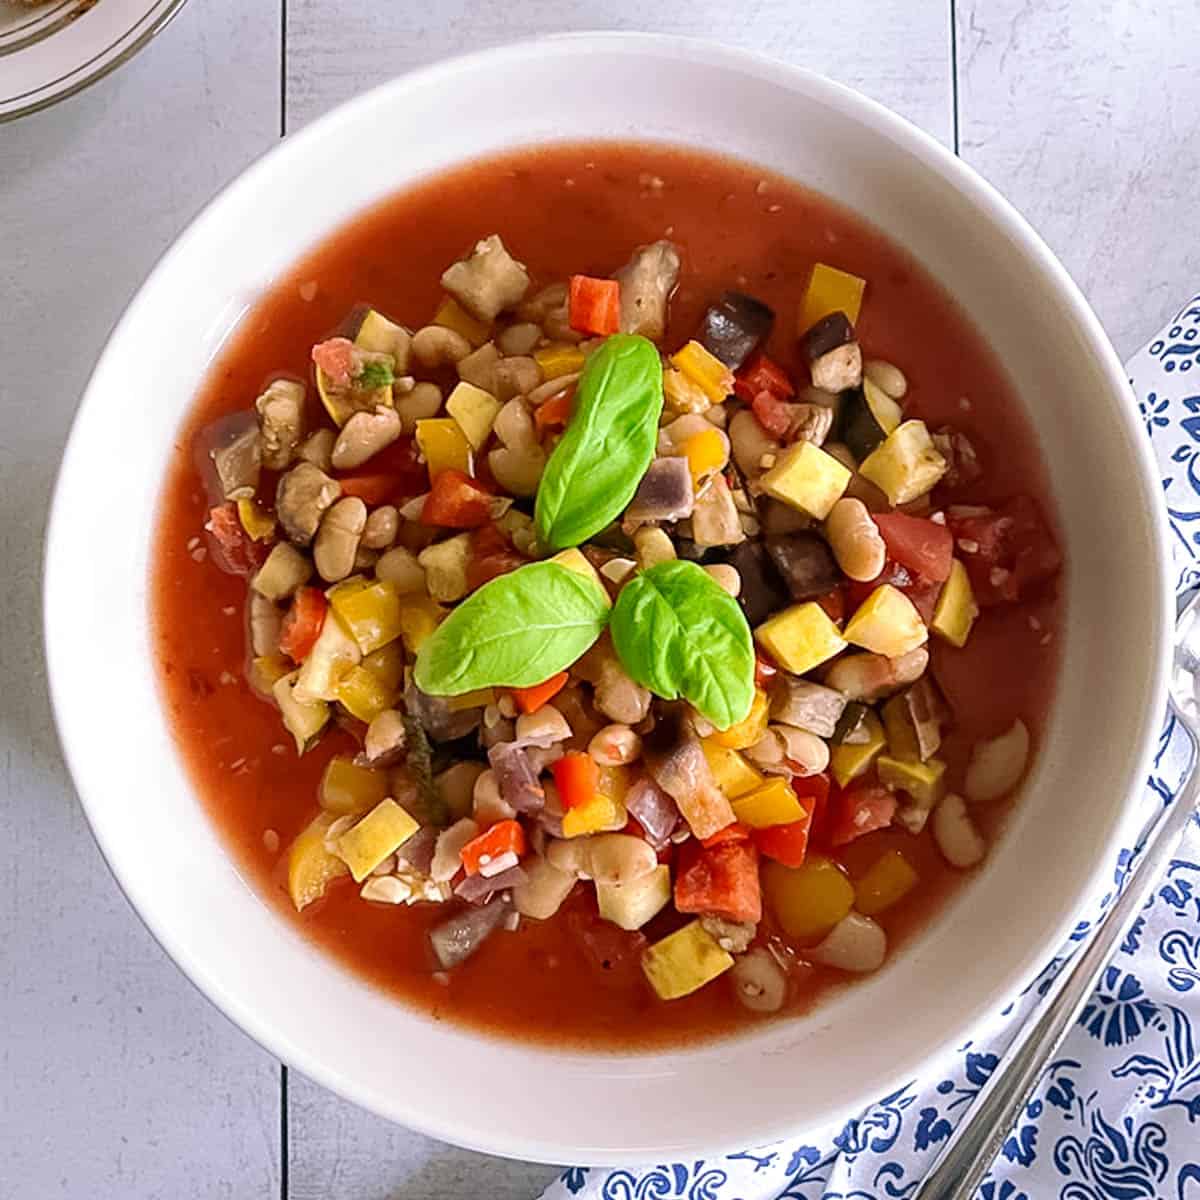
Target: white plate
x,y
54,49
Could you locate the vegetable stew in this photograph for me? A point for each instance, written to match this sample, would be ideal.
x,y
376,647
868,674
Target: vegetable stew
x,y
608,594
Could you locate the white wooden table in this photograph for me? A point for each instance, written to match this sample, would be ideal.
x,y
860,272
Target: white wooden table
x,y
116,1078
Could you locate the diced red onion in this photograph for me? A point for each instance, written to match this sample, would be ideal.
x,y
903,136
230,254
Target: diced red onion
x,y
654,809
516,779
456,939
475,889
418,850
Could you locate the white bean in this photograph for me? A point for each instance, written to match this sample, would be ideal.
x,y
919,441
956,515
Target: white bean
x,y
605,857
887,378
727,577
759,982
337,539
748,442
956,835
437,346
544,890
422,402
488,804
997,764
805,749
542,728
520,338
615,746
652,546
447,854
855,943
400,568
855,540
381,528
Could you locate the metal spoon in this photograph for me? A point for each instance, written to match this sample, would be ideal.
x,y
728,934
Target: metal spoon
x,y
974,1145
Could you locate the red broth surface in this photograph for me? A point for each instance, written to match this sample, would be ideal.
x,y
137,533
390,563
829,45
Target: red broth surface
x,y
562,210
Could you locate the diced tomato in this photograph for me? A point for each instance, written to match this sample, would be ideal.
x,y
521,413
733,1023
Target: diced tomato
x,y
576,776
762,374
554,413
789,843
737,832
924,546
505,837
720,881
371,489
765,669
774,415
921,591
530,699
1006,552
594,305
456,501
302,624
233,549
861,808
492,554
834,604
394,474
335,358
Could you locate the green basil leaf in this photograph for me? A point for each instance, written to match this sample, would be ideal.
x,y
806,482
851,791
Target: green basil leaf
x,y
678,633
608,444
515,631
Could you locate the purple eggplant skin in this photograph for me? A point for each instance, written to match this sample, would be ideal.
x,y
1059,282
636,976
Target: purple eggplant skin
x,y
734,327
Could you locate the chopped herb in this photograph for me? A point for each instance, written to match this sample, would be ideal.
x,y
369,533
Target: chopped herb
x,y
374,375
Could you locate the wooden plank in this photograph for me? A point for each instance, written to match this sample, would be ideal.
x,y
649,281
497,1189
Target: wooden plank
x,y
119,1078
1083,116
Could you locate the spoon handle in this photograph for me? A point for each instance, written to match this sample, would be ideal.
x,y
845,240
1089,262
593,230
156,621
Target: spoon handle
x,y
974,1145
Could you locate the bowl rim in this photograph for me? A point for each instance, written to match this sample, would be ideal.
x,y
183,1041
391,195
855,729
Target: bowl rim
x,y
934,157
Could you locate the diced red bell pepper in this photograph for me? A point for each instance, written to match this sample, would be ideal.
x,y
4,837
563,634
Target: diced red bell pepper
x,y
594,305
576,776
1006,552
921,591
302,624
505,837
233,549
530,699
721,881
492,554
394,474
456,501
737,832
554,413
924,546
765,669
861,808
789,843
759,373
773,414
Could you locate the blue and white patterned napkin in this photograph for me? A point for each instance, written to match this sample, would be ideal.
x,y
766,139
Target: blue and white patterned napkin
x,y
1117,1116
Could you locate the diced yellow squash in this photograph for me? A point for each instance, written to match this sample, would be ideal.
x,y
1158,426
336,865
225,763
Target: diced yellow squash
x,y
330,660
887,413
925,782
419,617
905,465
574,560
807,479
684,961
386,664
601,812
266,671
348,788
901,735
443,445
682,394
750,730
381,832
889,878
365,694
255,520
370,614
801,637
705,370
311,868
956,609
452,315
850,760
772,803
342,404
631,905
475,411
558,360
730,771
477,699
808,900
830,291
887,623
705,452
379,334
347,587
303,719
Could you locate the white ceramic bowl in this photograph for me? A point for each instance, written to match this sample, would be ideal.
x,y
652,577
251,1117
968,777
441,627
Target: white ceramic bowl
x,y
460,1086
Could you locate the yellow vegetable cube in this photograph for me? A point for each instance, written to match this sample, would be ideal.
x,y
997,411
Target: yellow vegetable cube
x,y
956,608
705,370
801,637
477,699
475,411
850,760
731,772
706,453
631,905
385,337
574,560
808,900
443,445
772,803
331,659
889,879
558,360
371,614
311,868
255,520
419,617
749,730
614,782
887,623
364,695
303,719
901,734
684,961
601,812
381,832
808,479
830,291
905,465
266,671
682,394
348,788
452,315
925,782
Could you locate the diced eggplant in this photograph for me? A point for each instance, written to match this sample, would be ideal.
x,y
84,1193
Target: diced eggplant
x,y
928,712
676,761
839,369
665,493
437,718
647,281
516,778
734,327
868,415
238,463
455,940
657,813
827,334
477,889
852,728
763,589
806,564
807,706
488,281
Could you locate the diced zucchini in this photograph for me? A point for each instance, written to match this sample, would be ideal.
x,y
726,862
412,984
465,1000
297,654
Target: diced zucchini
x,y
370,614
705,370
808,479
255,520
265,672
808,900
381,832
303,719
850,760
830,291
631,905
333,654
906,465
772,803
801,637
348,788
475,411
445,566
924,781
363,696
731,772
852,724
889,879
887,623
419,617
443,445
285,570
385,337
901,733
868,415
750,730
684,961
452,315
956,608
311,868
574,560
